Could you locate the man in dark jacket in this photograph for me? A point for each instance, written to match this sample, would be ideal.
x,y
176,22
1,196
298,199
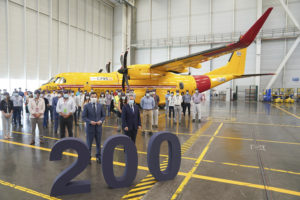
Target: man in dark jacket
x,y
131,119
94,115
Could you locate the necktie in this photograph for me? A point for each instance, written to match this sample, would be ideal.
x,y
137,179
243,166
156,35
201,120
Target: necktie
x,y
94,108
132,108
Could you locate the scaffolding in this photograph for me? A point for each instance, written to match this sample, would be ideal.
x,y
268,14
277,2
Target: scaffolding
x,y
282,33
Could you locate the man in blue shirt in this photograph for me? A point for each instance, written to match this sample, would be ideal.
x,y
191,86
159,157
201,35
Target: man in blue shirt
x,y
55,114
147,104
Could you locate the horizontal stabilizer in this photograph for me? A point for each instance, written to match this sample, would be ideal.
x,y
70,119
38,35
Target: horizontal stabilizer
x,y
251,75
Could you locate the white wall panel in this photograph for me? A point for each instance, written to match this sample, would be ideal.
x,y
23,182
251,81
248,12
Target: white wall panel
x,y
272,55
200,20
96,54
89,15
55,9
245,15
55,51
43,47
176,52
159,19
96,18
143,11
142,56
81,14
32,4
277,17
102,19
3,42
73,12
16,41
80,51
179,18
159,55
63,48
222,16
89,55
44,6
63,11
73,49
294,6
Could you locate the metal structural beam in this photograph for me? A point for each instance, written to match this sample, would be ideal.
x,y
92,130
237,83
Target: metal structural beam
x,y
285,59
291,50
258,45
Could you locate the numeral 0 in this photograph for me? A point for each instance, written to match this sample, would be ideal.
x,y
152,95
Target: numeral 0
x,y
63,185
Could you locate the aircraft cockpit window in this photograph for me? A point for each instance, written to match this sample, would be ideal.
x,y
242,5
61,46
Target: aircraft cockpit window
x,y
181,86
63,80
57,80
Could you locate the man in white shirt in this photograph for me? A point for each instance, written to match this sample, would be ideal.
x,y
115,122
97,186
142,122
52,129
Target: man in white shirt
x,y
36,107
177,106
18,104
66,107
171,102
73,98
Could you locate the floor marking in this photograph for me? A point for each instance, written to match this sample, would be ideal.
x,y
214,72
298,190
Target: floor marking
x,y
262,124
292,114
119,149
249,139
27,190
184,148
246,184
187,158
197,163
179,173
257,147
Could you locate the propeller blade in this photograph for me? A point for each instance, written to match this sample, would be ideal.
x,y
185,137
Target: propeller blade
x,y
108,67
125,59
123,83
122,60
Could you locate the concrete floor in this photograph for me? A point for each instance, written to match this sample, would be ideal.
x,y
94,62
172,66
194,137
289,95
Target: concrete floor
x,y
244,151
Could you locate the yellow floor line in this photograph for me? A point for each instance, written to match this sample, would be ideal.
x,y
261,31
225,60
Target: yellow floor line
x,y
179,173
27,190
262,124
251,185
283,110
119,149
197,163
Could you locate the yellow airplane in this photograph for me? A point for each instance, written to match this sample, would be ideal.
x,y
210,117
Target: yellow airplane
x,y
166,75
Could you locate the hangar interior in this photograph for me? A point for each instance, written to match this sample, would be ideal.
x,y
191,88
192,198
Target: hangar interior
x,y
247,142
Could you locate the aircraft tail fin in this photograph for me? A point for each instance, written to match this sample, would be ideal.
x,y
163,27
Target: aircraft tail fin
x,y
235,65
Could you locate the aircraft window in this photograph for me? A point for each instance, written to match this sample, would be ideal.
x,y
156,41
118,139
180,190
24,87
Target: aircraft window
x,y
181,86
57,80
51,80
63,80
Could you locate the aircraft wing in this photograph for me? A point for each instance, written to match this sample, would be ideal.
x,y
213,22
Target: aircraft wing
x,y
193,60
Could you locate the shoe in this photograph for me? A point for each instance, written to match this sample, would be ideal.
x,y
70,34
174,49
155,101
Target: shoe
x,y
5,137
143,132
193,120
199,120
90,162
42,141
55,132
119,130
32,142
150,133
99,160
9,137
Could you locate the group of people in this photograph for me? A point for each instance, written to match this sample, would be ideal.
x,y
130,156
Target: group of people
x,y
66,108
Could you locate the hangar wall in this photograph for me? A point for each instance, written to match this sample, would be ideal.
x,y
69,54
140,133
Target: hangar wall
x,y
41,38
175,20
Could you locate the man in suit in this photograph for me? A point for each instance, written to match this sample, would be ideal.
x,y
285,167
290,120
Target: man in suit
x,y
94,115
131,119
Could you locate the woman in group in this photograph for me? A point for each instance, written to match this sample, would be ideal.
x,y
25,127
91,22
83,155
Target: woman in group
x,y
102,100
123,101
6,108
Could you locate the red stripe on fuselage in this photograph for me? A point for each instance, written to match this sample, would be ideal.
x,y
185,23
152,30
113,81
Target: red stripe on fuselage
x,y
202,82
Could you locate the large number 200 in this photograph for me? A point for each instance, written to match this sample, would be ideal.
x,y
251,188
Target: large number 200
x,y
63,185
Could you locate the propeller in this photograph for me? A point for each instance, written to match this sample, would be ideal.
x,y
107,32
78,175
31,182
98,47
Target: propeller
x,y
107,66
124,70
